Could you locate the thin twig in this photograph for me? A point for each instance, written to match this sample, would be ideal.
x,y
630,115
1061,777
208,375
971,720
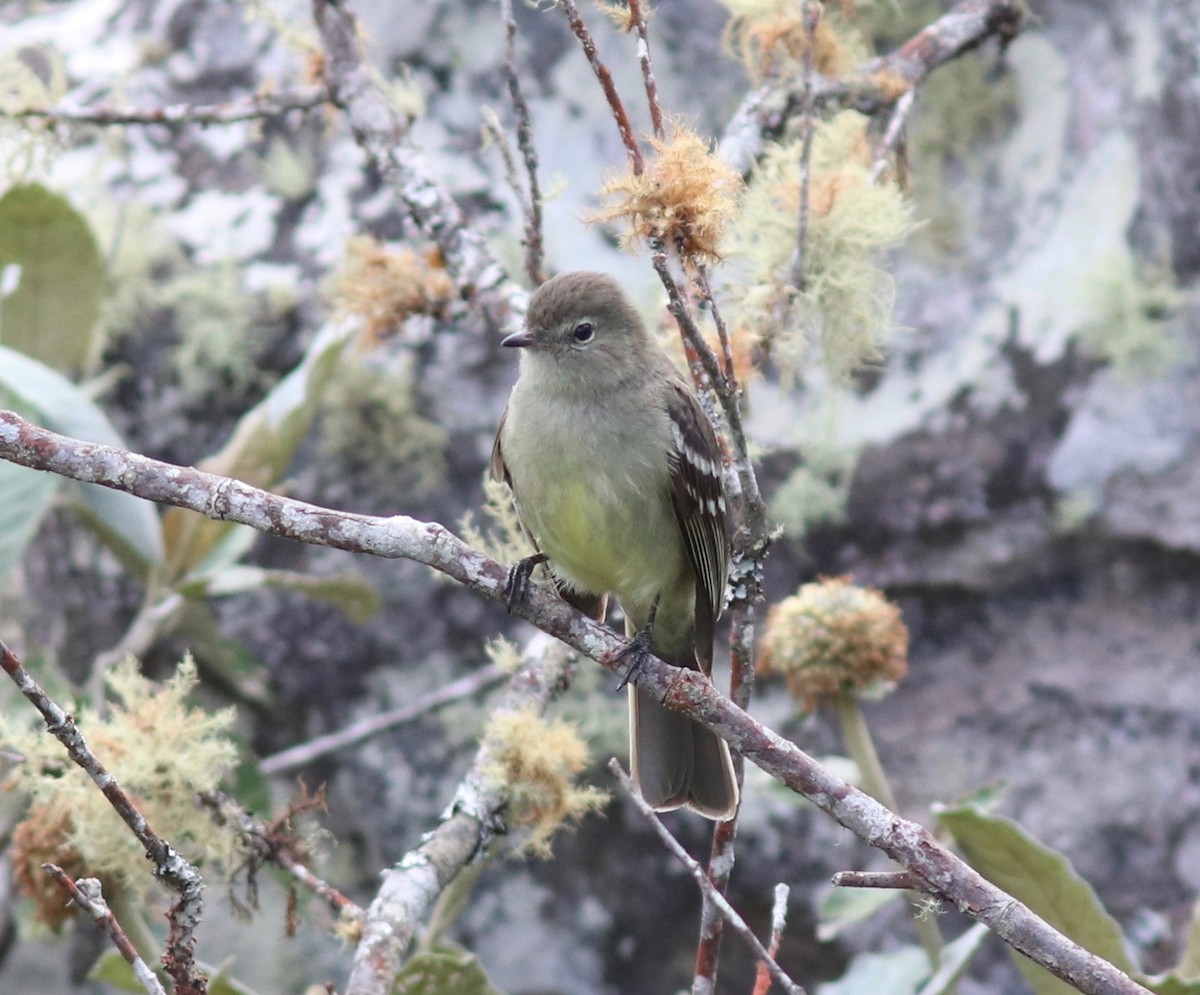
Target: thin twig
x,y
722,854
812,17
702,880
270,845
169,865
762,980
180,115
941,873
899,880
575,19
532,206
373,725
639,23
722,329
87,895
895,129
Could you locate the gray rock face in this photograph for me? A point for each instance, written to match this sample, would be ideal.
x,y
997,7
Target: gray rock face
x,y
1023,472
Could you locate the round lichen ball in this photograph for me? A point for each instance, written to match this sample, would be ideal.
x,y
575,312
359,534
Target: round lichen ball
x,y
831,636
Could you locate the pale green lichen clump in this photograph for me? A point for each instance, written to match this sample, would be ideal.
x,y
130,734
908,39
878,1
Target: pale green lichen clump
x,y
845,301
161,751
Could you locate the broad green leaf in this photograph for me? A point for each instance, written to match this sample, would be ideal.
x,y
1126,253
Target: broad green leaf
x,y
129,525
115,970
1045,881
954,960
260,448
846,907
1184,978
52,314
898,972
223,661
1189,964
25,496
347,592
443,972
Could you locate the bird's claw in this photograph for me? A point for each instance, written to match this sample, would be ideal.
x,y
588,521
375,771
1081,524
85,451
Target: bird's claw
x,y
516,585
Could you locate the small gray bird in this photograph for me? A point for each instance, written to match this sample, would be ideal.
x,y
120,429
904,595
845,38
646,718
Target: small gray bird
x,y
616,475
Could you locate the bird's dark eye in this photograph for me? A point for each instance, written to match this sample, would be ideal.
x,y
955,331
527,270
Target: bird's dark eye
x,y
584,332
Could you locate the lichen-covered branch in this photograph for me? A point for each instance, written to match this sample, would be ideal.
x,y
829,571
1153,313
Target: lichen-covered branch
x,y
474,818
877,84
170,866
262,105
379,131
938,871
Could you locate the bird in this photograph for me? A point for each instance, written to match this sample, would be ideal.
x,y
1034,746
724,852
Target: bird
x,y
615,472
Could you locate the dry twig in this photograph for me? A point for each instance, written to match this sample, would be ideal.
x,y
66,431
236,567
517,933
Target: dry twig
x,y
762,980
373,725
87,895
728,912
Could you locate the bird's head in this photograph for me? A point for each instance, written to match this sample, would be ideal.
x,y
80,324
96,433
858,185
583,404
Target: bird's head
x,y
583,332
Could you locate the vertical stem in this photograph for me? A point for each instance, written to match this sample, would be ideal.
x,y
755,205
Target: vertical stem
x,y
861,748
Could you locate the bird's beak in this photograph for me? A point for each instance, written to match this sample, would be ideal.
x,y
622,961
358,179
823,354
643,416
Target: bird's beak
x,y
518,340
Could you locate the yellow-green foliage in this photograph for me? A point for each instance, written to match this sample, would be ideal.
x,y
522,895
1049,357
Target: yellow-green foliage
x,y
536,759
770,37
503,539
370,421
218,334
1130,329
845,303
831,636
160,750
816,491
685,196
30,77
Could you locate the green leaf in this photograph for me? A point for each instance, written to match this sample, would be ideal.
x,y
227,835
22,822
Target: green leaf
x,y
52,314
128,525
898,972
25,496
846,907
1045,881
954,960
443,972
1189,964
347,592
260,448
115,970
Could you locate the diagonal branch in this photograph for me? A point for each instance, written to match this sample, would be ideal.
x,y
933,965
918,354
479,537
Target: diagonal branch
x,y
938,871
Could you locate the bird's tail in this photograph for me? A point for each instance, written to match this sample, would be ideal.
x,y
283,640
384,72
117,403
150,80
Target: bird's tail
x,y
676,762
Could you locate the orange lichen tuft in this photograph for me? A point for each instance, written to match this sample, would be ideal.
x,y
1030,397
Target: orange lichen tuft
x,y
685,196
383,286
771,38
40,838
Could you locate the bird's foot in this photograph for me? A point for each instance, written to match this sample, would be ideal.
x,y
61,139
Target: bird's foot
x,y
516,586
637,650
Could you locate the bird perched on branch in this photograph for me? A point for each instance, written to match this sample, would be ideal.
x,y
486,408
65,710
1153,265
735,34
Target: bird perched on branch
x,y
616,475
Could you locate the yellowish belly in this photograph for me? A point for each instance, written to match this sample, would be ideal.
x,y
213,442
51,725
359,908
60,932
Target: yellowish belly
x,y
600,539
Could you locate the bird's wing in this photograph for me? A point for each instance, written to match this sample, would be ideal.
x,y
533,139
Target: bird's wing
x,y
698,496
497,467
